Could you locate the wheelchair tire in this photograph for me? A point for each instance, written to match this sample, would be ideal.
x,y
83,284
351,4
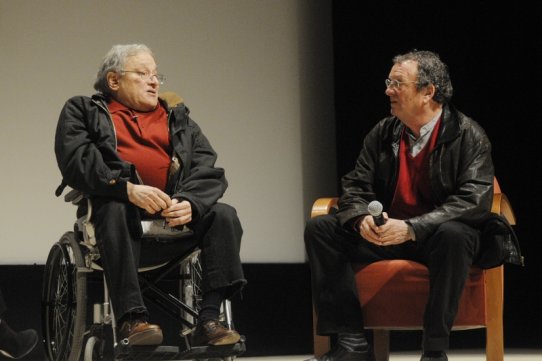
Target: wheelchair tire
x,y
64,300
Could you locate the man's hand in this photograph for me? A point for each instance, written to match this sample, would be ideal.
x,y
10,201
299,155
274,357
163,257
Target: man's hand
x,y
178,213
149,198
394,231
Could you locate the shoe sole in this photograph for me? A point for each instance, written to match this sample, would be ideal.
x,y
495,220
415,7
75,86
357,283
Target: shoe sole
x,y
146,338
228,339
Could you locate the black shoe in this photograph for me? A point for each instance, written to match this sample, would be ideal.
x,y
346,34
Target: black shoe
x,y
433,357
213,333
338,353
22,343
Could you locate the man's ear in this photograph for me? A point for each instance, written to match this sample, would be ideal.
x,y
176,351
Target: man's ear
x,y
429,92
113,80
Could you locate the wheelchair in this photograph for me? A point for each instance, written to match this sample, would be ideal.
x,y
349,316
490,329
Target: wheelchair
x,y
73,262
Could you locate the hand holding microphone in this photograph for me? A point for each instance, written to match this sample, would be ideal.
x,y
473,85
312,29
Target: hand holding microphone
x,y
375,209
396,232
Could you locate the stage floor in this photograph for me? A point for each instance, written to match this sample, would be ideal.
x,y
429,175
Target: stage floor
x,y
453,355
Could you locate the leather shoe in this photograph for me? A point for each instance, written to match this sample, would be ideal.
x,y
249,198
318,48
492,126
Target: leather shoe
x,y
141,333
212,332
442,357
20,345
339,353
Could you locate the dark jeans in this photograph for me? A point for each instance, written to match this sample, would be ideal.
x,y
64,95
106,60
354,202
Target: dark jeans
x,y
217,233
331,250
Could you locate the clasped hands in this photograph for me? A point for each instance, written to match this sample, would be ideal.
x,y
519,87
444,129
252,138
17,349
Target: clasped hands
x,y
394,231
154,200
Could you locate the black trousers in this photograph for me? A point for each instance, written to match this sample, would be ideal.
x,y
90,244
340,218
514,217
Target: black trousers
x,y
217,233
3,307
331,250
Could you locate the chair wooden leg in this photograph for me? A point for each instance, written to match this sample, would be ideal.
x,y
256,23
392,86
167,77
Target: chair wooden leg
x,y
381,344
321,344
494,306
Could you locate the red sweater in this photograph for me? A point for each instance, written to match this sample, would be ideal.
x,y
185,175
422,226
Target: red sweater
x,y
143,139
413,190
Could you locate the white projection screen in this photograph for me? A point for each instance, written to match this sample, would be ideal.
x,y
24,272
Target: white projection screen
x,y
257,76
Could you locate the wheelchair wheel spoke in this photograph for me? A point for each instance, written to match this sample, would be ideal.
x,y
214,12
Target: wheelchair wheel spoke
x,y
64,295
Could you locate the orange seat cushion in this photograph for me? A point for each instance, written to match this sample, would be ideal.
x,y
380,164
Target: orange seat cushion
x,y
393,295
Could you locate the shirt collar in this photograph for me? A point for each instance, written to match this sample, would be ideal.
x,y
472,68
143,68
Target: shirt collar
x,y
427,128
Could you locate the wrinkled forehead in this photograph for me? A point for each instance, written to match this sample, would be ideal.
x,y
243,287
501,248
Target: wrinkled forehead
x,y
406,70
142,59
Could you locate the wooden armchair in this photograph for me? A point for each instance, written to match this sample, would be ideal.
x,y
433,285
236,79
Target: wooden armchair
x,y
390,285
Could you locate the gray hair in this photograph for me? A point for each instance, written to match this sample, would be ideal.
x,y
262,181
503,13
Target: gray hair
x,y
114,61
431,70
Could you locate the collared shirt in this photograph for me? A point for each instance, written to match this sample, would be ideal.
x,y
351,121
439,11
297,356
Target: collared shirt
x,y
417,144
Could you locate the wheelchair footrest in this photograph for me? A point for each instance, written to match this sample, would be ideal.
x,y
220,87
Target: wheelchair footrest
x,y
158,353
204,352
133,353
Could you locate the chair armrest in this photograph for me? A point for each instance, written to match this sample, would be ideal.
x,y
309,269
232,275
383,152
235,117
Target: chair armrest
x,y
323,206
501,205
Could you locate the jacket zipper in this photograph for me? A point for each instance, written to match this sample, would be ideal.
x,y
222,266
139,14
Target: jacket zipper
x,y
173,186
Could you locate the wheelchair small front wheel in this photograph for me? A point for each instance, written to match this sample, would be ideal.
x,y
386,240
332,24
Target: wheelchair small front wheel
x,y
64,300
94,349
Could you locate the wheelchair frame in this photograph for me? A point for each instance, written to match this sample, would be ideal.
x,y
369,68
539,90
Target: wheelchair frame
x,y
74,258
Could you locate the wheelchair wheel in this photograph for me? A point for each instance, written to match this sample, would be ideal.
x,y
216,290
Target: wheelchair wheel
x,y
64,300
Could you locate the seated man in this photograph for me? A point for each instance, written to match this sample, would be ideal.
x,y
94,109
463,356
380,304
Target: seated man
x,y
14,344
132,154
431,167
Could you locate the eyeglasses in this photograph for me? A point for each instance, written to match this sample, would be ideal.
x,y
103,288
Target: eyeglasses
x,y
146,76
395,84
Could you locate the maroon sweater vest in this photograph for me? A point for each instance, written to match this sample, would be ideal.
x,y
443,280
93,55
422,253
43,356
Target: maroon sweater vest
x,y
413,189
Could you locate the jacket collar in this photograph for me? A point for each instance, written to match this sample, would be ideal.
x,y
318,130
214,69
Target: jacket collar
x,y
449,127
176,114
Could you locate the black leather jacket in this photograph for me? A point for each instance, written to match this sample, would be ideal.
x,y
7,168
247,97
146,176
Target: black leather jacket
x,y
461,174
86,153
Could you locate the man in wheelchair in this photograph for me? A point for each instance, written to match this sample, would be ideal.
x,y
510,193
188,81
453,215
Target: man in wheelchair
x,y
135,156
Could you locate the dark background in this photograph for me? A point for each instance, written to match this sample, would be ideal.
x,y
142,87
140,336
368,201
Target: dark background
x,y
493,53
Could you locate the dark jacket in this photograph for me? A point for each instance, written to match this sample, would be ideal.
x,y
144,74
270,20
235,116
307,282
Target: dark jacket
x,y
461,173
86,153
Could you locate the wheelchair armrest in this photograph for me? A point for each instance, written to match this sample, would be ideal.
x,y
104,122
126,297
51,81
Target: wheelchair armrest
x,y
74,196
152,228
157,228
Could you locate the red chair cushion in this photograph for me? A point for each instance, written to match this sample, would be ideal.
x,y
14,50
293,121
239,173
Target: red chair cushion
x,y
393,295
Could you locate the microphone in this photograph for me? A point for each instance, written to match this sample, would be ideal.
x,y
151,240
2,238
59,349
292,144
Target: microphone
x,y
375,210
